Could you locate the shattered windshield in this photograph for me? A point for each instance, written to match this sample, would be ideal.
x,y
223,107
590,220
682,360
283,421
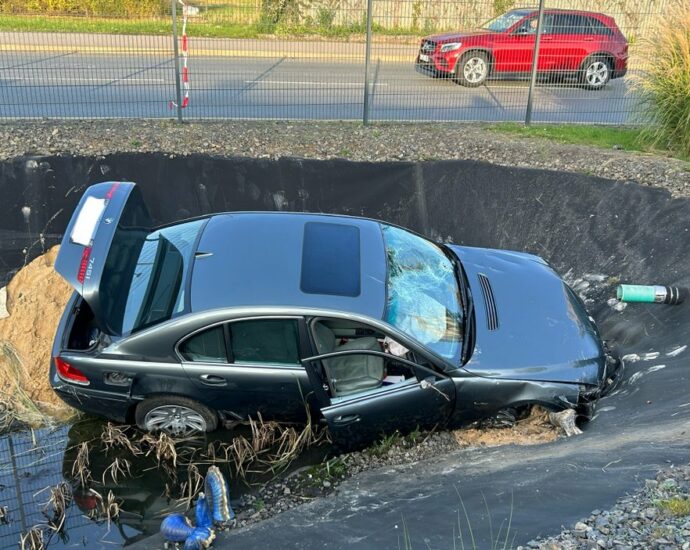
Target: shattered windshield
x,y
423,295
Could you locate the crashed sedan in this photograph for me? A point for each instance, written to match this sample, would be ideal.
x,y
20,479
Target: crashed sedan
x,y
369,327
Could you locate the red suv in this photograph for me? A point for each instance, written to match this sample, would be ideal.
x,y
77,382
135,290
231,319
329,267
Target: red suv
x,y
586,45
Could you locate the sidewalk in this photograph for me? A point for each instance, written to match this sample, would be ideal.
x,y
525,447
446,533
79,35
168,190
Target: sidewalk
x,y
337,52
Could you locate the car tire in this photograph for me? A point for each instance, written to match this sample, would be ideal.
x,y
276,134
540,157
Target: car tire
x,y
175,415
472,69
595,72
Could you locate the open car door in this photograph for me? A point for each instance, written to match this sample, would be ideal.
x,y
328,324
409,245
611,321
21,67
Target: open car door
x,y
364,401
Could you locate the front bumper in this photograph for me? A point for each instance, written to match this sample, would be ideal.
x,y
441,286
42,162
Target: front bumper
x,y
435,64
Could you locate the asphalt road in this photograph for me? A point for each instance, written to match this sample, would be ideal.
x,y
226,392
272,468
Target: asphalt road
x,y
87,85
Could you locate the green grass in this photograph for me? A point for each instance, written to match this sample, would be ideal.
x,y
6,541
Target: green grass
x,y
677,507
214,27
627,139
101,25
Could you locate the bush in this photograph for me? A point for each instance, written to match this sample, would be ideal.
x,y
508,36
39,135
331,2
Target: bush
x,y
665,84
97,8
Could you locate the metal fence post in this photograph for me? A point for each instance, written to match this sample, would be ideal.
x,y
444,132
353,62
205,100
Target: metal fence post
x,y
176,53
367,59
533,74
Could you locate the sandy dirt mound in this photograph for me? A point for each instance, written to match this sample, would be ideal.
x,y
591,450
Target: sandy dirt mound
x,y
36,297
532,430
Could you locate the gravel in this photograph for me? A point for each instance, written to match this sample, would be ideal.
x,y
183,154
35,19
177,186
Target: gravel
x,y
351,140
657,517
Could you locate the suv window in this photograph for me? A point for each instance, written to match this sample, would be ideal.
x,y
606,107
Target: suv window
x,y
265,341
207,346
598,27
567,23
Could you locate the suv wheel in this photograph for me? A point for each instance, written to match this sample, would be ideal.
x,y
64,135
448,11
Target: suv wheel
x,y
472,70
596,72
177,416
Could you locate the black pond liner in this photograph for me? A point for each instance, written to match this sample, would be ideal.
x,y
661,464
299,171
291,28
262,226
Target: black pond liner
x,y
587,226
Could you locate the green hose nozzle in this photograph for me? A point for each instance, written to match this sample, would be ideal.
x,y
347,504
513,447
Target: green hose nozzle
x,y
650,294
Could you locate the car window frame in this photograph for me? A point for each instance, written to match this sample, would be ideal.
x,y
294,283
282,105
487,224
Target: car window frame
x,y
322,373
302,339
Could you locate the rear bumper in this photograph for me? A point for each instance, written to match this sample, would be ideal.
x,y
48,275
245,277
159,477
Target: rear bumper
x,y
108,405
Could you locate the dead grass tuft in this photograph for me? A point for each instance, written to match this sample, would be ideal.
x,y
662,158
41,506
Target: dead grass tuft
x,y
80,467
162,446
190,488
33,539
55,510
119,467
114,437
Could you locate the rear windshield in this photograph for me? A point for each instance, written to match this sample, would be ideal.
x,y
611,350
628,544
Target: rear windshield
x,y
151,290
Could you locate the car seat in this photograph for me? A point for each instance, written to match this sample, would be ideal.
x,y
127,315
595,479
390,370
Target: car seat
x,y
350,373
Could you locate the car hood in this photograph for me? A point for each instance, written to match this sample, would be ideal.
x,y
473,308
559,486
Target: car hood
x,y
541,330
456,35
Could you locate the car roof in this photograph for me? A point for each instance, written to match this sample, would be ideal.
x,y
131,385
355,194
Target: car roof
x,y
290,259
560,10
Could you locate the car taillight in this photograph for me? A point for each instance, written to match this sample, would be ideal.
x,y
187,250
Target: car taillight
x,y
70,373
86,502
84,264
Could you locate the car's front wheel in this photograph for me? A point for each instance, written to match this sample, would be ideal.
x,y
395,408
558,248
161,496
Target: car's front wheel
x,y
472,70
595,73
174,415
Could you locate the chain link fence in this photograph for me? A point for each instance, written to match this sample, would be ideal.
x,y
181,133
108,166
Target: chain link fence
x,y
371,60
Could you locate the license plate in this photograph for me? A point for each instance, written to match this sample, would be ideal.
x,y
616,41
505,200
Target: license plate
x,y
90,215
424,57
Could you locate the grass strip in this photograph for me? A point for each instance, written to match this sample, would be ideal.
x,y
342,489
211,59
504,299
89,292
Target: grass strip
x,y
607,137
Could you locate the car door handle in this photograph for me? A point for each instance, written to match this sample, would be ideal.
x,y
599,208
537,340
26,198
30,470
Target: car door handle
x,y
346,419
213,380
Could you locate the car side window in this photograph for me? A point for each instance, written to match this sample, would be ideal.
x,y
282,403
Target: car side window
x,y
579,24
599,28
273,341
207,346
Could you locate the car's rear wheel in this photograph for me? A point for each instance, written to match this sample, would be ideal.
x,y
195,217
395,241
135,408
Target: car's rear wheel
x,y
177,416
595,73
472,70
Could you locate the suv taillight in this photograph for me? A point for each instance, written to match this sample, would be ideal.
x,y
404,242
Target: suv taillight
x,y
69,373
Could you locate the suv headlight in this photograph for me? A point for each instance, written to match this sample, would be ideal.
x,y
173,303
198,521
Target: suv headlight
x,y
450,46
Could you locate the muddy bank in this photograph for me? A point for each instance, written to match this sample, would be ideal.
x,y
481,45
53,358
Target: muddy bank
x,y
36,297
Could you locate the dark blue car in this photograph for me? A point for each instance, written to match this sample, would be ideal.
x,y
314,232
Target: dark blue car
x,y
211,320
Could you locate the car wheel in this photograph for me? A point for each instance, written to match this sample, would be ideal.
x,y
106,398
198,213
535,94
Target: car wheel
x,y
595,73
177,416
472,70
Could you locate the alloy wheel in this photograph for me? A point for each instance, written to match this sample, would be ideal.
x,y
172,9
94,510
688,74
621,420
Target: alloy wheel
x,y
597,74
474,70
175,420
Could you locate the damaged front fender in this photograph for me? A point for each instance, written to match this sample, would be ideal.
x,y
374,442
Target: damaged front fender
x,y
479,397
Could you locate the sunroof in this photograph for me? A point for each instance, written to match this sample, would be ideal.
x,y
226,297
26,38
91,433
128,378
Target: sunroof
x,y
330,259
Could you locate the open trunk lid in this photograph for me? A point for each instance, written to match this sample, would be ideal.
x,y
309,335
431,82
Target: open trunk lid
x,y
100,248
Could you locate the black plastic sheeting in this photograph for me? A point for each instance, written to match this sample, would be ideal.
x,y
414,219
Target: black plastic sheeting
x,y
592,228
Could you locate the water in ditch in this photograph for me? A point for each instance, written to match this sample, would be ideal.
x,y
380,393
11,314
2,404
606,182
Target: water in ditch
x,y
35,461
